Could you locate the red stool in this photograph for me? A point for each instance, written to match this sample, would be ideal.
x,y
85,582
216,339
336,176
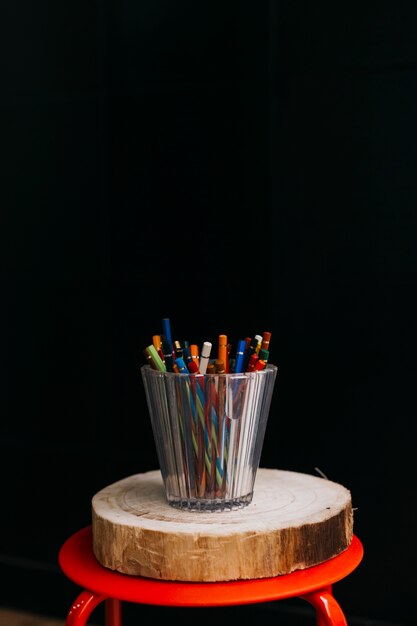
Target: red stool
x,y
314,584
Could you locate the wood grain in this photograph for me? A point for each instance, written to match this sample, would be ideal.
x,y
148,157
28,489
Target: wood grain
x,y
294,521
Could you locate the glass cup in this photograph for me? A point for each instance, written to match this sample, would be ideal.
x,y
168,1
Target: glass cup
x,y
209,431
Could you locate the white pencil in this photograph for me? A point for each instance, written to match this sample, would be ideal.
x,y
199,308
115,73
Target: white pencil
x,y
204,357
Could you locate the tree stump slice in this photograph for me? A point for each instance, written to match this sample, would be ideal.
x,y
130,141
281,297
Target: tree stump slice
x,y
294,521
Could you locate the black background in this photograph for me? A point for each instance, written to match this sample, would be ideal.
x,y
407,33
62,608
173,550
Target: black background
x,y
236,167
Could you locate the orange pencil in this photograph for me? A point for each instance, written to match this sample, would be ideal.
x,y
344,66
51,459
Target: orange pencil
x,y
157,341
222,351
194,354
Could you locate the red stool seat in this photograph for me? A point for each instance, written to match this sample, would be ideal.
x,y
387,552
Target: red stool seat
x,y
314,584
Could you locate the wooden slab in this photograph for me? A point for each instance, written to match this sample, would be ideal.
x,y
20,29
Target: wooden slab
x,y
294,521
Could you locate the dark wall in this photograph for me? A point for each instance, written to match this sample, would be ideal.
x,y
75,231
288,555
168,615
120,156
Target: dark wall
x,y
237,167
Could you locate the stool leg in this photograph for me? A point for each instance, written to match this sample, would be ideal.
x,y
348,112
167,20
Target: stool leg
x,y
82,608
328,610
320,620
113,612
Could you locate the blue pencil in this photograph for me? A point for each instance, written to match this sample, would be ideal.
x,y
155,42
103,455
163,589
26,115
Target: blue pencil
x,y
240,355
166,330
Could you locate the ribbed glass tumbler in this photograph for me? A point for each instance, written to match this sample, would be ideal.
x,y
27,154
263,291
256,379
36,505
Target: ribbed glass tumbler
x,y
209,431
